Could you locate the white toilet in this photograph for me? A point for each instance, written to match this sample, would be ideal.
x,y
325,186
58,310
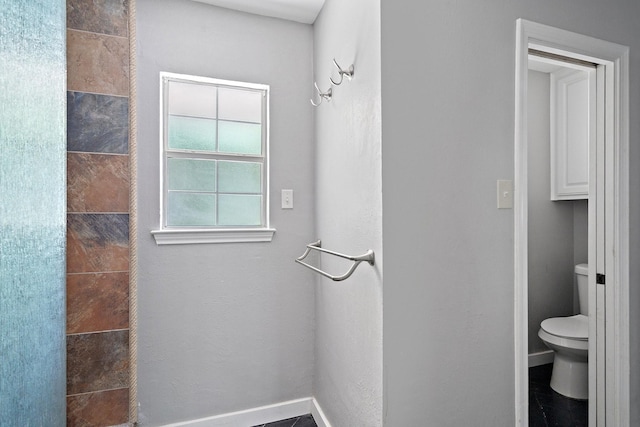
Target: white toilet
x,y
568,337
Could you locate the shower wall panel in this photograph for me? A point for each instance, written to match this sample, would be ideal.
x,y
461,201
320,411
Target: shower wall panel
x,y
32,213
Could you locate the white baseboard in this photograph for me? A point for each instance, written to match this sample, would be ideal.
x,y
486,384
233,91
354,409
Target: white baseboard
x,y
262,415
540,358
318,415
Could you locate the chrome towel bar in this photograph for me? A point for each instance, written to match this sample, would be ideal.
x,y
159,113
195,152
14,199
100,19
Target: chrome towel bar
x,y
369,257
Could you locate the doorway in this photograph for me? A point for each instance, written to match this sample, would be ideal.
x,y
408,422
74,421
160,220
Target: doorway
x,y
560,102
607,218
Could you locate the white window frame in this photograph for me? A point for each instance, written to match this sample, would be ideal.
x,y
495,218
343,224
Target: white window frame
x,y
168,235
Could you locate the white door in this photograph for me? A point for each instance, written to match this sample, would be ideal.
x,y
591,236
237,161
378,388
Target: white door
x,y
603,278
597,229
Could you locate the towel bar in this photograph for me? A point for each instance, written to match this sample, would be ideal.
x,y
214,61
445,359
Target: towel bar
x,y
368,257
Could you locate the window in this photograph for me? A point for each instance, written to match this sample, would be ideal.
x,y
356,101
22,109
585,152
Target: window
x,y
214,161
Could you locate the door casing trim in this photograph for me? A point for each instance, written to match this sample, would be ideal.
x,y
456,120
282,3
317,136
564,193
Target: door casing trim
x,y
615,58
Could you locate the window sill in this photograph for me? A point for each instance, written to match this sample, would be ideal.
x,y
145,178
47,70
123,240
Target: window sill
x,y
190,237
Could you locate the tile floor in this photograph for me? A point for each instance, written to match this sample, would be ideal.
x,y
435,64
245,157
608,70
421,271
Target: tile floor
x,y
550,409
546,407
303,421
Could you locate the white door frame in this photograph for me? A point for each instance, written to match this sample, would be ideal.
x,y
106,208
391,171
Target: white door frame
x,y
615,60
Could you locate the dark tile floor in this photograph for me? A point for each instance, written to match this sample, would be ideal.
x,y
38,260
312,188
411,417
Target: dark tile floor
x,y
546,407
550,409
303,421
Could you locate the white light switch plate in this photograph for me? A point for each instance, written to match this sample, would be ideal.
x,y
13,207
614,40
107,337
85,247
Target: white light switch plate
x,y
287,199
505,194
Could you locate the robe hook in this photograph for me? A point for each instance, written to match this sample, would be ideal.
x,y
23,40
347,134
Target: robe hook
x,y
348,73
326,95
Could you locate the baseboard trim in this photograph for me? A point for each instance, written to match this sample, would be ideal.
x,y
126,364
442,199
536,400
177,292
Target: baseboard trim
x,y
540,358
262,415
318,415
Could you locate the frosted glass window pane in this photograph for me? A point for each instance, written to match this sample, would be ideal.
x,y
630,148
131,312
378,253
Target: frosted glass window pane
x,y
241,138
239,209
218,178
192,99
194,175
239,177
240,105
188,133
191,209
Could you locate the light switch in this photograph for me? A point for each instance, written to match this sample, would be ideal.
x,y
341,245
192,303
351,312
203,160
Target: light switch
x,y
505,194
287,199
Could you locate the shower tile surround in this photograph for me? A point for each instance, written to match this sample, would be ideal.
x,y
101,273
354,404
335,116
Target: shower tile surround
x,y
108,116
91,295
96,183
98,212
95,409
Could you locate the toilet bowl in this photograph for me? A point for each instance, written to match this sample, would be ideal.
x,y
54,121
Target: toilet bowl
x,y
568,337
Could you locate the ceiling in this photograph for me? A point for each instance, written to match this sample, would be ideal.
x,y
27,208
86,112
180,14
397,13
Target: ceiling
x,y
304,11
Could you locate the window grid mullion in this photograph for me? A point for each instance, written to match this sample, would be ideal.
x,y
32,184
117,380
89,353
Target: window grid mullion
x,y
217,123
213,156
217,147
216,220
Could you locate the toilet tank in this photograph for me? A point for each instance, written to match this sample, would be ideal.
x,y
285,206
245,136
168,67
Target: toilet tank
x,y
582,278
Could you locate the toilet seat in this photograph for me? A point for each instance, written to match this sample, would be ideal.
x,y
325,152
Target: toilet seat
x,y
572,327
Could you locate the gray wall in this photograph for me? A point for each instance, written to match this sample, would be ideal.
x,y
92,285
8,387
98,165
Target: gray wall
x,y
348,371
551,224
225,327
580,231
448,130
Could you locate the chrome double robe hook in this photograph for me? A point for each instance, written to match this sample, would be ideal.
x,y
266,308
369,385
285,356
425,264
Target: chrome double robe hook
x,y
322,96
348,73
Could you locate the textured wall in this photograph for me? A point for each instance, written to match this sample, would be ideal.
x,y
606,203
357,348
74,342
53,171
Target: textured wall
x,y
98,213
225,327
32,221
348,371
448,129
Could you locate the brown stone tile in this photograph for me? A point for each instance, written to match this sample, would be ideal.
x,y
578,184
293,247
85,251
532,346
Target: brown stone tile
x,y
97,183
97,361
97,302
99,16
104,408
97,243
97,63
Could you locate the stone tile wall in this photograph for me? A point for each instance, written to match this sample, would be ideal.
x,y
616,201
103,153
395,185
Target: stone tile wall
x,y
98,213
